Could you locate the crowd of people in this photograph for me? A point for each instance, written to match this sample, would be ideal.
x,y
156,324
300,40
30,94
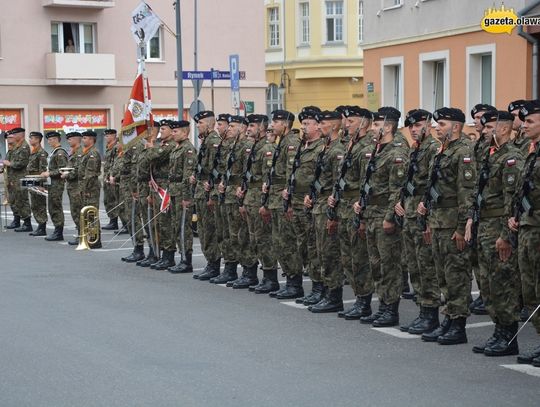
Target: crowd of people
x,y
348,198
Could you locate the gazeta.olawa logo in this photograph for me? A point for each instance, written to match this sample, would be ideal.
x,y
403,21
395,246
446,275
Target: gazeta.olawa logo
x,y
503,20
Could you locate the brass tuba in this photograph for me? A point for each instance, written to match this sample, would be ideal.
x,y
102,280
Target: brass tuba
x,y
89,228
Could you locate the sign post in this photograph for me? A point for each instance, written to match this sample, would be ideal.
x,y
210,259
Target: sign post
x,y
234,65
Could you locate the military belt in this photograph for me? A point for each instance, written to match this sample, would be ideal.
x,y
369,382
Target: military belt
x,y
420,191
278,185
302,190
492,213
446,203
235,179
381,200
255,185
351,193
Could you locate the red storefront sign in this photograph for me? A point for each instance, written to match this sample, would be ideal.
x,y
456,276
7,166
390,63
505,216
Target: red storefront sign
x,y
9,119
71,120
167,114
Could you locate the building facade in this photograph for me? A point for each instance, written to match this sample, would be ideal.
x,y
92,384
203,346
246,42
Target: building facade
x,y
434,53
70,64
314,53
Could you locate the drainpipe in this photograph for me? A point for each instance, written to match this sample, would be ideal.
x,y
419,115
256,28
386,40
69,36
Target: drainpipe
x,y
535,42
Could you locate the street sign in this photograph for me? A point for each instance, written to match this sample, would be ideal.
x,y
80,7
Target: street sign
x,y
209,75
196,106
250,106
234,65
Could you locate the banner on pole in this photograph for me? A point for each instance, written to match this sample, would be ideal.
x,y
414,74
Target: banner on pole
x,y
144,23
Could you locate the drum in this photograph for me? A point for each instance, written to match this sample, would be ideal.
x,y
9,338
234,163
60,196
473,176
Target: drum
x,y
32,181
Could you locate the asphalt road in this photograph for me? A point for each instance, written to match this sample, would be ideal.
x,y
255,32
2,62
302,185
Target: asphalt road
x,y
85,329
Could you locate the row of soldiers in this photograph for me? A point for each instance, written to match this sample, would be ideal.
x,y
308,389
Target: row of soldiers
x,y
25,159
348,198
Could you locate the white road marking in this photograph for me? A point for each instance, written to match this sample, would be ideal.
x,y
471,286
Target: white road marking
x,y
527,369
479,324
397,333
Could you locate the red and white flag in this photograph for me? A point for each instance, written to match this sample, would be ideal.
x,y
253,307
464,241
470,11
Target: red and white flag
x,y
163,194
138,113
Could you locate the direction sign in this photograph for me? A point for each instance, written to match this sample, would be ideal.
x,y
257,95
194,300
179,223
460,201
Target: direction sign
x,y
209,75
234,64
196,106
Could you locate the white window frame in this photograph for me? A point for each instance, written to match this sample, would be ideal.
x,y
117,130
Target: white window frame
x,y
385,6
276,24
160,35
387,99
473,73
277,102
361,21
426,100
81,24
343,39
304,20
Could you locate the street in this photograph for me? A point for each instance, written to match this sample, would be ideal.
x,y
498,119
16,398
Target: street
x,y
82,328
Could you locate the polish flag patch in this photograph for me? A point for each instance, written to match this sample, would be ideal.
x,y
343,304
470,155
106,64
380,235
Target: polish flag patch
x,y
368,155
511,162
340,157
398,160
248,150
190,152
268,154
467,160
215,145
291,148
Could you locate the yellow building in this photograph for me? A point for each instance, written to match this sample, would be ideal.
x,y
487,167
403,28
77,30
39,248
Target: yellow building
x,y
313,53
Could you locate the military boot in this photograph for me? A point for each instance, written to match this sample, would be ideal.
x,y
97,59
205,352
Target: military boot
x,y
333,302
456,334
184,266
148,260
57,235
136,255
230,273
491,340
26,226
96,245
477,307
112,225
441,330
429,322
240,277
40,231
168,260
502,346
370,318
158,261
361,308
293,288
250,279
529,356
524,314
390,316
316,294
406,327
75,240
124,230
211,270
16,223
269,283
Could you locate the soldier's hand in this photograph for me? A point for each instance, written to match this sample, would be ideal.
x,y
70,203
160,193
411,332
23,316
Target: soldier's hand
x,y
331,227
357,208
44,174
468,230
422,210
513,224
285,194
112,180
266,215
289,214
243,212
192,180
388,227
399,210
331,201
7,163
207,187
308,203
211,205
63,175
504,248
460,241
427,235
149,200
264,188
362,231
239,193
221,188
186,204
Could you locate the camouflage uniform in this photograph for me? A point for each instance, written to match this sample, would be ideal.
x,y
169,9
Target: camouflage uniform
x,y
449,215
37,164
139,182
89,172
72,186
111,193
58,159
18,156
182,164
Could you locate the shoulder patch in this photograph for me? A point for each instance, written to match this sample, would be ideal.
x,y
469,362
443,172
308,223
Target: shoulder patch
x,y
398,144
339,156
248,150
268,154
466,160
398,160
511,162
215,145
368,155
190,152
291,148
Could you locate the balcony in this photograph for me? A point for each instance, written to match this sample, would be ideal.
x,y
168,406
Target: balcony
x,y
81,69
95,4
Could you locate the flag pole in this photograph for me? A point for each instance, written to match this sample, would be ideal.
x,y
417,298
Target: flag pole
x,y
142,62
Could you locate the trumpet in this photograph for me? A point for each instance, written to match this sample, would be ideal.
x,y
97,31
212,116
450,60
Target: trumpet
x,y
90,234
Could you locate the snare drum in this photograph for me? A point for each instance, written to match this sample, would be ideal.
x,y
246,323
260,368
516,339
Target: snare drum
x,y
32,181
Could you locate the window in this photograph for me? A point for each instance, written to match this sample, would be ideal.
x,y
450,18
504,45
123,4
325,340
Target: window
x,y
392,82
272,99
360,21
303,12
481,74
434,80
390,4
154,46
273,26
73,38
334,21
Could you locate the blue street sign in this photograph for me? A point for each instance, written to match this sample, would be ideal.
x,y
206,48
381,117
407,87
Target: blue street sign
x,y
234,64
209,75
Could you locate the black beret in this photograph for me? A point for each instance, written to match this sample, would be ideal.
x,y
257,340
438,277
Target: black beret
x,y
109,131
203,115
531,107
15,131
223,117
36,134
165,122
516,105
309,112
481,107
73,134
283,115
52,134
89,133
342,108
495,115
357,111
388,112
257,118
449,113
245,121
235,119
417,115
328,115
179,124
156,123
